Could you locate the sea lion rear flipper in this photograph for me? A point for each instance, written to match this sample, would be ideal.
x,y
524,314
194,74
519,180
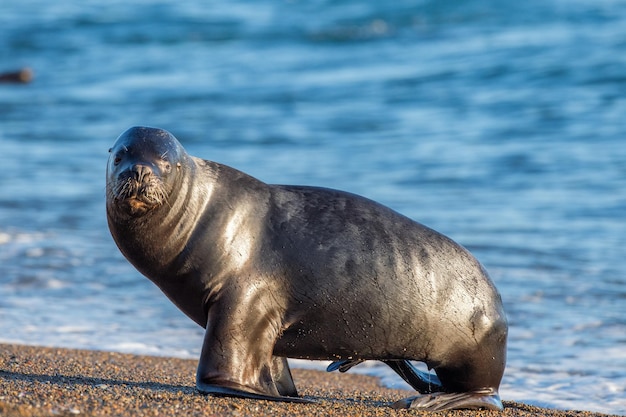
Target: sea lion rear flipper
x,y
343,365
423,382
484,399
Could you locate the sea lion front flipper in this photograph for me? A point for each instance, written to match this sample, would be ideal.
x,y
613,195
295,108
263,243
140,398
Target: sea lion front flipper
x,y
223,391
236,365
281,374
484,399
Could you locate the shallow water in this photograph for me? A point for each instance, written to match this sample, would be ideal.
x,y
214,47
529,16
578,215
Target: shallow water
x,y
499,125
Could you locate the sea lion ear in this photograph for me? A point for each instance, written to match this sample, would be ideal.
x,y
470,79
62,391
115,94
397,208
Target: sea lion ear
x,y
110,149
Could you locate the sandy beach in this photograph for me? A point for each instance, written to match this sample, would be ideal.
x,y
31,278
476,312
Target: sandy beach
x,y
39,381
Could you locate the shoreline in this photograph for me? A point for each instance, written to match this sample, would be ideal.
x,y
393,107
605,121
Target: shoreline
x,y
43,381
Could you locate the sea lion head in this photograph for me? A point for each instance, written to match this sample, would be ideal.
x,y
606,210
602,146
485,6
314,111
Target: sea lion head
x,y
142,170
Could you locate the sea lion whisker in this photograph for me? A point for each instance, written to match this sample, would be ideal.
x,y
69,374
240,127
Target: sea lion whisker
x,y
127,188
154,192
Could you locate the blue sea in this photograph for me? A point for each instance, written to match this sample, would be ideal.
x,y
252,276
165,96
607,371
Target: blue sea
x,y
500,124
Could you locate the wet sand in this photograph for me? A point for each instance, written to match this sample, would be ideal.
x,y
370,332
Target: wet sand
x,y
38,381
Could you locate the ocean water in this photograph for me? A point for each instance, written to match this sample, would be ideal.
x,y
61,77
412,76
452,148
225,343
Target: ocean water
x,y
500,124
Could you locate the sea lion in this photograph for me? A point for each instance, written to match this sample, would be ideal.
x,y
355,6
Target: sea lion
x,y
277,271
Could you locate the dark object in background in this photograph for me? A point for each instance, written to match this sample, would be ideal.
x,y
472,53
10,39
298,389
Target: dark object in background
x,y
22,76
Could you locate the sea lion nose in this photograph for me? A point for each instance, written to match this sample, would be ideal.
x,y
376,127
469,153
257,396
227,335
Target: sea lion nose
x,y
140,172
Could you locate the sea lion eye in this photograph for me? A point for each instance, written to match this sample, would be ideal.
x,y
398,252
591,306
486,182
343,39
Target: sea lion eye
x,y
117,160
178,165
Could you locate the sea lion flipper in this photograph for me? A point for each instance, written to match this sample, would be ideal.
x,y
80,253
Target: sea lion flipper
x,y
223,391
281,374
343,365
483,399
234,364
423,382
